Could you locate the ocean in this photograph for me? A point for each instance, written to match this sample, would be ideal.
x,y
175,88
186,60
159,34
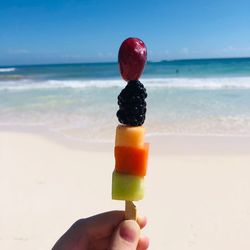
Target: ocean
x,y
79,101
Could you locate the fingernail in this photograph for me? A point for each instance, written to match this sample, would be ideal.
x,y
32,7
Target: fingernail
x,y
129,230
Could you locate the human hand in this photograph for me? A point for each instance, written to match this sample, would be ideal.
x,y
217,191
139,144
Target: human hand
x,y
104,231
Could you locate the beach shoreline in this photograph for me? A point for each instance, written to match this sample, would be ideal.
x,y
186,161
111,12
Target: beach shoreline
x,y
192,200
172,144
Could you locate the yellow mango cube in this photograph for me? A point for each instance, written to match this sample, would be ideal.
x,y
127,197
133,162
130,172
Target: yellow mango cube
x,y
129,136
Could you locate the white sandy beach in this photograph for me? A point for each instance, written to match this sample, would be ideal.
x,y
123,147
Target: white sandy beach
x,y
195,199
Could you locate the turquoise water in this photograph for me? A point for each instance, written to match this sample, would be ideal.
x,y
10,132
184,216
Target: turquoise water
x,y
198,97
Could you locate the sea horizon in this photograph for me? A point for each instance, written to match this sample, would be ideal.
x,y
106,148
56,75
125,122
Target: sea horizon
x,y
116,61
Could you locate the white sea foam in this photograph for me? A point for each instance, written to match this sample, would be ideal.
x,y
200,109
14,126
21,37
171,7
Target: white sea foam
x,y
59,84
200,83
7,69
150,83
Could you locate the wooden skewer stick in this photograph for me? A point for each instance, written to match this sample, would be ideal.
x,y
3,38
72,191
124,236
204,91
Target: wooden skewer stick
x,y
130,211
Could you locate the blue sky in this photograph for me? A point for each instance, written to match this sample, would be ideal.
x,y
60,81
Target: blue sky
x,y
55,31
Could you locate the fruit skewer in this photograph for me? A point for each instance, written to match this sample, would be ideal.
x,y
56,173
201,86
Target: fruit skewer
x,y
131,152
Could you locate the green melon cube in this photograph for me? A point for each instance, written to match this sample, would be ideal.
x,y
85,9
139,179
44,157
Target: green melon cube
x,y
127,187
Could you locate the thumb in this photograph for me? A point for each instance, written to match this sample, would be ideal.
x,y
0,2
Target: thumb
x,y
126,236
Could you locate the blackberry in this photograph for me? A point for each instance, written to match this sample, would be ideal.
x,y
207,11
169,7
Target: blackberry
x,y
132,105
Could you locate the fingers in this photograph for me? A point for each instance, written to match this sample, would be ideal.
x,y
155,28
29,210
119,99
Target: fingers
x,y
109,222
142,221
126,237
104,243
101,225
99,230
143,243
100,244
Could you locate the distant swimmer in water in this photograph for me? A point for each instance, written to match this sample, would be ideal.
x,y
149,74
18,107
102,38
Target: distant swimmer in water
x,y
177,71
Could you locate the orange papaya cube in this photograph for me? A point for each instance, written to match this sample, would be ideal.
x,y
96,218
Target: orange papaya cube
x,y
131,160
129,136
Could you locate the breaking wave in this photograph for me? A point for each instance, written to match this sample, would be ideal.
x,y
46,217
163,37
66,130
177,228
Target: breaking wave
x,y
154,83
7,69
